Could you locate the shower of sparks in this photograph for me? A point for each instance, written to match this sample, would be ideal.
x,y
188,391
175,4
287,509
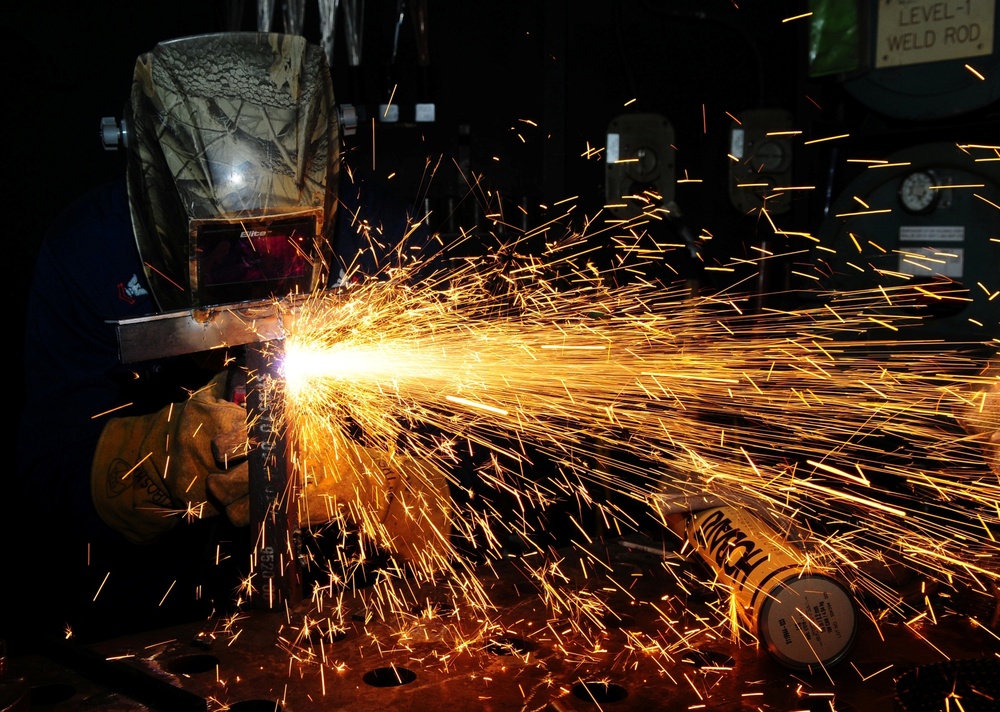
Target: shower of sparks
x,y
446,409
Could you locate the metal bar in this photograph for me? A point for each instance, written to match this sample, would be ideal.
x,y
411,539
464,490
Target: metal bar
x,y
276,580
195,330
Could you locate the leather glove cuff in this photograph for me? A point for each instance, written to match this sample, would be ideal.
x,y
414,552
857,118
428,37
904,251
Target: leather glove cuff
x,y
149,470
131,499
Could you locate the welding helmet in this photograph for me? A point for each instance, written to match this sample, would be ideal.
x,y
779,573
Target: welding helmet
x,y
233,153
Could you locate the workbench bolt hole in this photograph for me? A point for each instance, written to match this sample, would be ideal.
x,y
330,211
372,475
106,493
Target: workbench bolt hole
x,y
616,621
509,646
599,692
707,659
192,664
389,677
318,635
826,704
255,706
435,609
52,694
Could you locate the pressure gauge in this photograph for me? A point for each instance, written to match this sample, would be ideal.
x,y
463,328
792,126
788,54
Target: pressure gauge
x,y
918,192
769,157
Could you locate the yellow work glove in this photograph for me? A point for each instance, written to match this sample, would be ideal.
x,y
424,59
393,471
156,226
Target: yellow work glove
x,y
400,503
150,470
979,415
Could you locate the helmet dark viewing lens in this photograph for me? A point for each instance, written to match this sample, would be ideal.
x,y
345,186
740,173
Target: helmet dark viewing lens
x,y
251,260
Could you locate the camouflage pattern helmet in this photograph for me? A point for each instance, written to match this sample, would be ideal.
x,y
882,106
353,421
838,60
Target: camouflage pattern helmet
x,y
233,156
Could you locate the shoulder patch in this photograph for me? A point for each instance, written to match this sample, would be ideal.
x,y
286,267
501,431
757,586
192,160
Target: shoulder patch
x,y
132,291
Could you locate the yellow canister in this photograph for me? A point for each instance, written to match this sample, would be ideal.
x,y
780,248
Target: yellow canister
x,y
802,614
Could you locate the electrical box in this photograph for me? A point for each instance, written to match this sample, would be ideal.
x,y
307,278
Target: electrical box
x,y
640,158
760,160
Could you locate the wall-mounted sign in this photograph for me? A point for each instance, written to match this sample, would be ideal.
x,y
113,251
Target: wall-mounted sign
x,y
917,31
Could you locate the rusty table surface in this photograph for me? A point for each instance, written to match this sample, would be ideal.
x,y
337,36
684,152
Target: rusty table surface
x,y
651,649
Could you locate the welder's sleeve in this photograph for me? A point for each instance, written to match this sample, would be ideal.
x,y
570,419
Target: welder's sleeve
x,y
403,504
979,414
149,471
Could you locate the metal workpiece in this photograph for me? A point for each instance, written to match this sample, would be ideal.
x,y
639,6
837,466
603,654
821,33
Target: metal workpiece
x,y
631,631
275,578
189,331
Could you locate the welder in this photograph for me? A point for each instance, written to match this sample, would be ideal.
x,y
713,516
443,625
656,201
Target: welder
x,y
233,191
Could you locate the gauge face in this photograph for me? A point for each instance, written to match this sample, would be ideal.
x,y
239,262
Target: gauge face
x,y
769,157
918,192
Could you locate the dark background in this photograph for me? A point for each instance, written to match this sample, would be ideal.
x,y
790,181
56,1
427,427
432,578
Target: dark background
x,y
567,67
522,89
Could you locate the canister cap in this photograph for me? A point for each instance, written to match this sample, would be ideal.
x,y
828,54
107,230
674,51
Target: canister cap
x,y
808,621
